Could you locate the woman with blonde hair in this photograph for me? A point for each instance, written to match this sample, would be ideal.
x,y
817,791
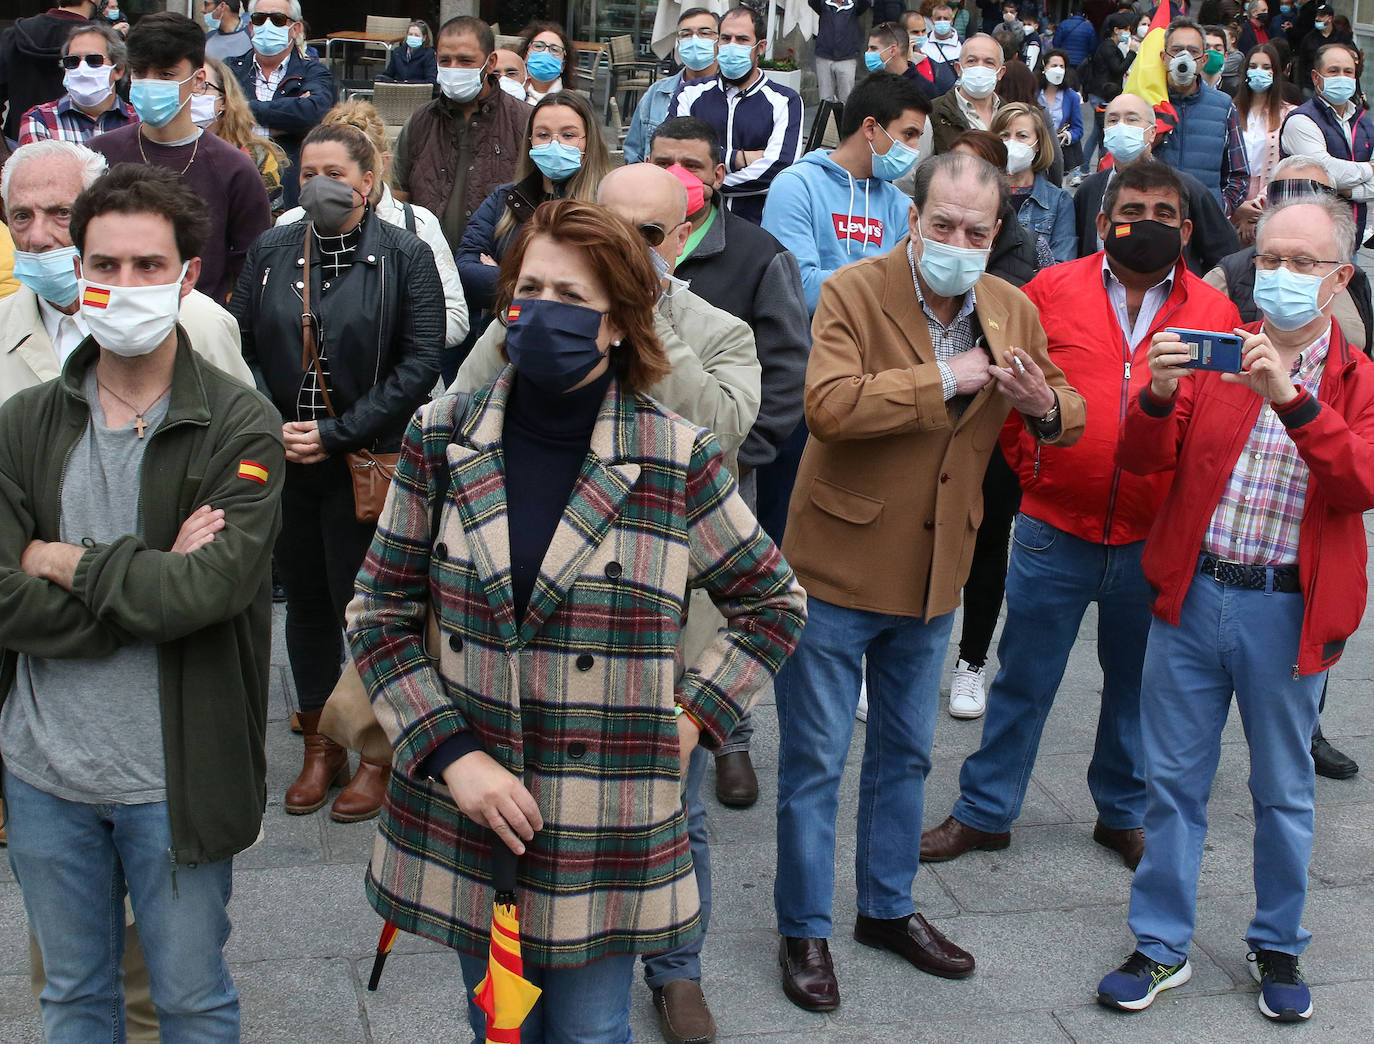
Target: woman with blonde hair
x,y
360,115
1043,208
222,108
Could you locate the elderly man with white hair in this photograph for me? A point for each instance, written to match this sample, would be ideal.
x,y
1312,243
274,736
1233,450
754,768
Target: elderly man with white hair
x,y
1273,468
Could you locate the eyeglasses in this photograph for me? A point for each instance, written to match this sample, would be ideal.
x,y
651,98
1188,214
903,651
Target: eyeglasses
x,y
95,61
1301,265
705,34
1174,52
554,49
652,233
281,21
567,137
207,87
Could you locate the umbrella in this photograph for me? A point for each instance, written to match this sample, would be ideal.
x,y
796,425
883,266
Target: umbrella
x,y
384,945
505,994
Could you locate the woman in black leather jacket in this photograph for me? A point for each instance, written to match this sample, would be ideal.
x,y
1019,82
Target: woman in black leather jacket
x,y
378,310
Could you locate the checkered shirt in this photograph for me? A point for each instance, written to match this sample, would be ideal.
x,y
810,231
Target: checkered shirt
x,y
63,121
1257,519
949,340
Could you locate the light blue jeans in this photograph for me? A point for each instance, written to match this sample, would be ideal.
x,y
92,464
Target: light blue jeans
x,y
74,864
586,1005
685,962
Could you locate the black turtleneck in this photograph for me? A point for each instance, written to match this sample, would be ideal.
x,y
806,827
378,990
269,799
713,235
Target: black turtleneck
x,y
545,438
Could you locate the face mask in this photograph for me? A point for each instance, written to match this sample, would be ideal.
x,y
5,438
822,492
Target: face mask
x,y
1259,79
415,42
202,109
696,53
1009,17
514,88
978,82
1144,246
329,202
735,60
696,191
874,60
543,66
461,85
269,39
157,101
552,344
942,27
1142,29
950,271
661,266
1289,301
1019,156
1123,38
1322,26
1338,89
131,320
1028,30
1124,141
895,162
113,14
51,274
212,23
1182,70
1213,63
1055,75
1286,8
87,86
918,42
556,161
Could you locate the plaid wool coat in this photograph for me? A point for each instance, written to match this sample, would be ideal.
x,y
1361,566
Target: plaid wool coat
x,y
578,698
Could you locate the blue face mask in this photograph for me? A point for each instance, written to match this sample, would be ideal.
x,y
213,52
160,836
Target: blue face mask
x,y
949,271
543,66
918,42
1259,79
552,344
269,39
415,42
696,53
895,162
1124,141
1288,300
51,274
1338,89
873,60
943,27
557,162
211,23
157,101
735,60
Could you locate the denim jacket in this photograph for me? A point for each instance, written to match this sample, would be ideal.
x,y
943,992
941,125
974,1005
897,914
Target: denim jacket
x,y
1048,212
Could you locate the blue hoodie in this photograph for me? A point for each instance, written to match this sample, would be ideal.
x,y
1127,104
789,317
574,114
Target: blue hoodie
x,y
828,218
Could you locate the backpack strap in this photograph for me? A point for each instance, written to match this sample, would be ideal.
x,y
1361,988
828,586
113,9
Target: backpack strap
x,y
410,217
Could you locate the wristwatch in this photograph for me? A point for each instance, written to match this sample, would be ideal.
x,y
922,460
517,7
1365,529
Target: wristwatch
x,y
1051,417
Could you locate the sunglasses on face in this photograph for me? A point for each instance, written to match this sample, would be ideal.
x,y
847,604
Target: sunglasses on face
x,y
652,234
281,21
1292,188
95,61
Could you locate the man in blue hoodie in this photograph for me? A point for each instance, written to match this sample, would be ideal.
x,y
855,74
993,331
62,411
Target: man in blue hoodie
x,y
835,206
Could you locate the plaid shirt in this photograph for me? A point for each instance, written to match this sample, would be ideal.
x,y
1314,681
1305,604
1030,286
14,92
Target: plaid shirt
x,y
65,122
1257,518
1235,166
948,341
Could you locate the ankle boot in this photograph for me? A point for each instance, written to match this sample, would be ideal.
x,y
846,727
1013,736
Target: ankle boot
x,y
362,798
326,765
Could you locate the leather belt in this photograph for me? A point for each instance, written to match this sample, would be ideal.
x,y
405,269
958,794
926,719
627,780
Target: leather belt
x,y
1283,579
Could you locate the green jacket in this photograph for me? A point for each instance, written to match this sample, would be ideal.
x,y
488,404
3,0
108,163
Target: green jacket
x,y
209,612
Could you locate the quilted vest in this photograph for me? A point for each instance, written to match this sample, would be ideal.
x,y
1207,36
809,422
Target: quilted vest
x,y
1198,143
1357,146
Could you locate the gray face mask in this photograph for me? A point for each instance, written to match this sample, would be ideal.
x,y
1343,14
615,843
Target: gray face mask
x,y
329,202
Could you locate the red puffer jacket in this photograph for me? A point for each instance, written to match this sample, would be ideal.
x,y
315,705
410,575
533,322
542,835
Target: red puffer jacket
x,y
1202,433
1079,488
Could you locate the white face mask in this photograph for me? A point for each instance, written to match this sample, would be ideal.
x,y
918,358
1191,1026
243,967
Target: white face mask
x,y
1055,74
1019,156
202,109
460,85
87,86
131,320
514,88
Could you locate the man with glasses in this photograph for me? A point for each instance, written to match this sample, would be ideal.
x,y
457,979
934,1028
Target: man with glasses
x,y
759,121
226,30
697,32
93,63
29,51
1263,526
288,92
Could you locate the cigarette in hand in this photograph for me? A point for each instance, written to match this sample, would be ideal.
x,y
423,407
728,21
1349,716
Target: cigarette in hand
x,y
1020,366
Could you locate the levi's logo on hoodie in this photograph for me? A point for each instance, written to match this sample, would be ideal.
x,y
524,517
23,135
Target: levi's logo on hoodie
x,y
847,227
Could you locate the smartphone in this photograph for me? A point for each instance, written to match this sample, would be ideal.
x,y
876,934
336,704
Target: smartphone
x,y
1209,350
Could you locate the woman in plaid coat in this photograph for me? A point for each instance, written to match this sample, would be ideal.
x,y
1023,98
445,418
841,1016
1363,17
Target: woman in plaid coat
x,y
576,516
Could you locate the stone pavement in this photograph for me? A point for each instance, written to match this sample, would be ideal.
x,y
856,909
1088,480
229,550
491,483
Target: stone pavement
x,y
1046,918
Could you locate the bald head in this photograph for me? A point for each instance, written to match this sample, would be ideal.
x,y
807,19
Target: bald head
x,y
1130,105
653,201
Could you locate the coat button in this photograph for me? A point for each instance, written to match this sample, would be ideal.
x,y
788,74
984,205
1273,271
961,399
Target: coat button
x,y
585,661
613,570
455,642
930,525
440,550
944,477
371,259
300,262
300,286
577,749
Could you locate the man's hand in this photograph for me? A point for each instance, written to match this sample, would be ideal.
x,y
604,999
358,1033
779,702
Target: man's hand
x,y
1167,357
303,444
199,529
52,561
970,370
1245,219
688,736
488,794
1023,384
1262,371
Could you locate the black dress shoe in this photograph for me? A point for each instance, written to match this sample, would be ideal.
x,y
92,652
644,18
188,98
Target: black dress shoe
x,y
1128,844
918,941
736,784
808,976
1329,761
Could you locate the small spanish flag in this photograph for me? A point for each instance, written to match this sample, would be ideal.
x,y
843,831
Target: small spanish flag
x,y
96,297
1121,231
253,471
512,313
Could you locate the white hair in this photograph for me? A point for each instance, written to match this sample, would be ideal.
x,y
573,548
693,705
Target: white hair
x,y
1290,165
1337,210
297,15
91,164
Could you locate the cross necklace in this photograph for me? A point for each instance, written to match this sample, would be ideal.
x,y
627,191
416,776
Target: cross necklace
x,y
140,425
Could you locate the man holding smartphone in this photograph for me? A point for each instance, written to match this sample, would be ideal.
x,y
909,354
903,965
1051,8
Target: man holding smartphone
x,y
1263,524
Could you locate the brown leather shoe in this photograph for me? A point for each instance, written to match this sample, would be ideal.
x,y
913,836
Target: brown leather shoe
x,y
736,784
918,941
683,1016
951,839
1128,844
808,976
362,798
326,765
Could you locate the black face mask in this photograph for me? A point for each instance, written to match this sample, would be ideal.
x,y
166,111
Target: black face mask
x,y
1143,246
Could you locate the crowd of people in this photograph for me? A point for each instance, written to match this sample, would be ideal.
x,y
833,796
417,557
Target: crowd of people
x,y
565,451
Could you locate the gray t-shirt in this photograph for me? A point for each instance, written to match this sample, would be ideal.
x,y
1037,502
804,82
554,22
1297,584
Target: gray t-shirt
x,y
91,730
224,46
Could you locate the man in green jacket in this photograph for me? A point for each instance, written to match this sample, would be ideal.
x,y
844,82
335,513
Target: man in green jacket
x,y
135,623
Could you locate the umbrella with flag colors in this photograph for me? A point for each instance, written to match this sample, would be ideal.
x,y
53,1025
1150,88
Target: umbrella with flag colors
x,y
505,995
1147,78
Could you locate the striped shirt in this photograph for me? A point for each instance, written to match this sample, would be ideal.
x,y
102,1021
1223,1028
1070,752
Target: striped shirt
x,y
63,121
1257,518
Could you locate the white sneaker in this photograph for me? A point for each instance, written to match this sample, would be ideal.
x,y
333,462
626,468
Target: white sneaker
x,y
967,698
862,712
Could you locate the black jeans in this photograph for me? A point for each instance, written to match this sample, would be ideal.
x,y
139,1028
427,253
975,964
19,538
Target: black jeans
x,y
318,554
987,575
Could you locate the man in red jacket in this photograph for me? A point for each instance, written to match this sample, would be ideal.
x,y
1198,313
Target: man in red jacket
x,y
1083,522
1258,558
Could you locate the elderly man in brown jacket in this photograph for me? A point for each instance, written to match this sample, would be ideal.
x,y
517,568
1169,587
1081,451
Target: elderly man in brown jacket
x,y
917,359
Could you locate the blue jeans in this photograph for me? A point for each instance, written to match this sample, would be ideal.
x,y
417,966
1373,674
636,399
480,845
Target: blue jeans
x,y
1227,640
586,1005
1051,580
74,863
818,692
685,962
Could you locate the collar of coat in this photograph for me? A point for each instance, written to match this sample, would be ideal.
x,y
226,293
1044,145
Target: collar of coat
x,y
188,401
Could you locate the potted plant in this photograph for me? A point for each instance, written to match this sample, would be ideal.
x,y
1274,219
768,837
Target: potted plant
x,y
782,69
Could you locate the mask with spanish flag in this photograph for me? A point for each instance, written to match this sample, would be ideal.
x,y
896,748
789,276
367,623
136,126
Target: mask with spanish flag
x,y
1143,246
130,320
552,344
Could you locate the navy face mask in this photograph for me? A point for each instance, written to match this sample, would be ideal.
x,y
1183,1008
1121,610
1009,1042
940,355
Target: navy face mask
x,y
552,344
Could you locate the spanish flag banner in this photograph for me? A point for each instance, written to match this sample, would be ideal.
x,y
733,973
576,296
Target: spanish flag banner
x,y
253,471
1147,78
96,297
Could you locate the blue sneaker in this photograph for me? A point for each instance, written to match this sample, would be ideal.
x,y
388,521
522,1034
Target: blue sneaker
x,y
1284,996
1133,986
